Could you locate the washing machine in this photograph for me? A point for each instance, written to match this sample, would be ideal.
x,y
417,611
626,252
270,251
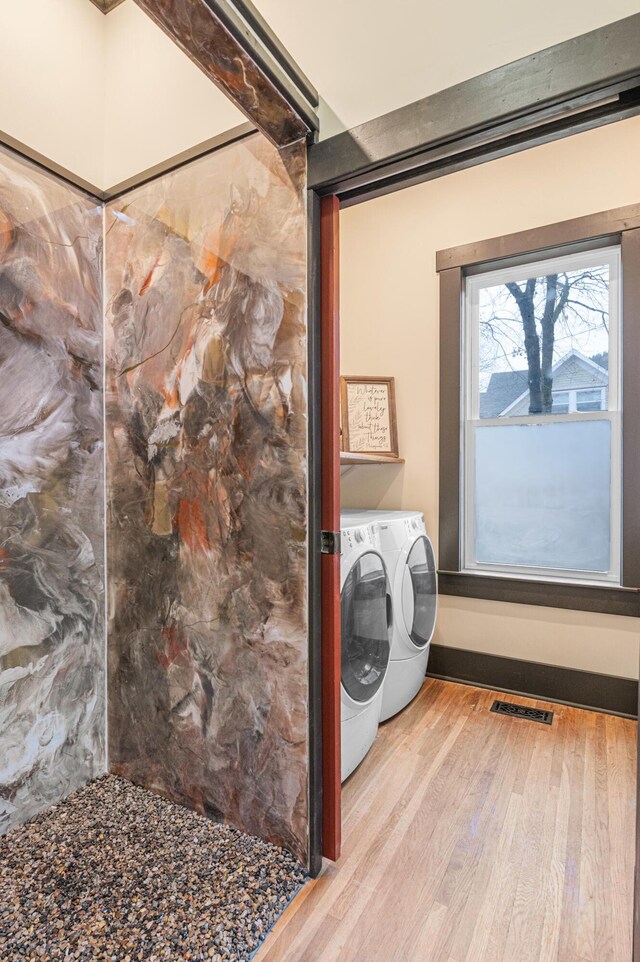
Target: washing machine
x,y
408,554
366,615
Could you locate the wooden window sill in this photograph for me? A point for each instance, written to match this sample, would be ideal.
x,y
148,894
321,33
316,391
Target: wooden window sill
x,y
611,600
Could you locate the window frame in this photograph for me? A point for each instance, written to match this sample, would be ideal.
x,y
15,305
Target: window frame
x,y
549,262
616,227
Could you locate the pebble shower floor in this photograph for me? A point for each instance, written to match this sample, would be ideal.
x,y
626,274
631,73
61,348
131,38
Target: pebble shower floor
x,y
117,873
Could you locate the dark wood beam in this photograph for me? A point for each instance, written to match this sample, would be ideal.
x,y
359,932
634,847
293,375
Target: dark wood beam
x,y
581,83
217,38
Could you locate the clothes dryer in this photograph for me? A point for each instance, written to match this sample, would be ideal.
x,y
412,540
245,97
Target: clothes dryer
x,y
408,554
366,625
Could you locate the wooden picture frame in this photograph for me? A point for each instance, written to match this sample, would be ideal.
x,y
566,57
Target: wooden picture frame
x,y
376,405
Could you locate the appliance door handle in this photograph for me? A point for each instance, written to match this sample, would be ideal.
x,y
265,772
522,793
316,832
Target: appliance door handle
x,y
389,609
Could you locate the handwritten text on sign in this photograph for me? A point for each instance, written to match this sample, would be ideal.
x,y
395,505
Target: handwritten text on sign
x,y
369,420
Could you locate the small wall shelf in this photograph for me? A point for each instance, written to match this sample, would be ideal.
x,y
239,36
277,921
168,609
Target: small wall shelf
x,y
349,458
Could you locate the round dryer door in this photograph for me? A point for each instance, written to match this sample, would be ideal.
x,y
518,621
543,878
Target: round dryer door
x,y
420,592
365,606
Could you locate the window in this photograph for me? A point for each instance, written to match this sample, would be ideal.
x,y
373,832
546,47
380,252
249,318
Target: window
x,y
561,402
589,400
541,459
540,416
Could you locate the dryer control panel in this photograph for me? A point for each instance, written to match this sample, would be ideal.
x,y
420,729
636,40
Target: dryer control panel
x,y
402,529
414,525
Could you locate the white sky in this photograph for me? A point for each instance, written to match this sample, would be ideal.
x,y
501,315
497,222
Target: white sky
x,y
502,347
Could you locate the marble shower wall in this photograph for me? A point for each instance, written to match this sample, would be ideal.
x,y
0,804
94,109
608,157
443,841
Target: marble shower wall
x,y
206,441
51,491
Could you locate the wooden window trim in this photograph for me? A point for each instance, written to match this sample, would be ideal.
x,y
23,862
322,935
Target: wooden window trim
x,y
622,226
577,231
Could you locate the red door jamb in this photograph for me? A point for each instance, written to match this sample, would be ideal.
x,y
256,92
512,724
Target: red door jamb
x,y
330,395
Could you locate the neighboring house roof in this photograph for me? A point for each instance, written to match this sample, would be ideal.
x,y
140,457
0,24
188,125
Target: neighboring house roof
x,y
508,391
503,389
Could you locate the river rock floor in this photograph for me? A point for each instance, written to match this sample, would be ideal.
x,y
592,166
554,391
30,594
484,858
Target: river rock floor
x,y
117,873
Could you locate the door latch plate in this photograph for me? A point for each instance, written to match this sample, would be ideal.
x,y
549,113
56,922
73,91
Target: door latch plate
x,y
330,542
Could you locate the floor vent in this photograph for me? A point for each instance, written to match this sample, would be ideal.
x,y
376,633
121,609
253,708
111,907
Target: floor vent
x,y
522,711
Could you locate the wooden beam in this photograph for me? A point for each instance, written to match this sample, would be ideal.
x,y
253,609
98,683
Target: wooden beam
x,y
221,43
517,100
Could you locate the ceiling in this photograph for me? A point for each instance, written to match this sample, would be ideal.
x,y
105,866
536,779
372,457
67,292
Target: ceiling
x,y
367,57
102,97
108,97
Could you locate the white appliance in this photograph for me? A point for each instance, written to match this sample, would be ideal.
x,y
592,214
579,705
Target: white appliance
x,y
366,624
408,554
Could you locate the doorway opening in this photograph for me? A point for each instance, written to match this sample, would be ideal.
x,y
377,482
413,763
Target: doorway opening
x,y
382,320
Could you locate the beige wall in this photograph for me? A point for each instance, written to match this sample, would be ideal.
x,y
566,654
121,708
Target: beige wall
x,y
104,97
52,80
389,312
375,62
157,102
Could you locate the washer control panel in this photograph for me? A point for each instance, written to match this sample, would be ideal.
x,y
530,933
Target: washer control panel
x,y
360,535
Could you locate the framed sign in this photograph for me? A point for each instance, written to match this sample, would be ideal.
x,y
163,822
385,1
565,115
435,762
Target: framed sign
x,y
368,415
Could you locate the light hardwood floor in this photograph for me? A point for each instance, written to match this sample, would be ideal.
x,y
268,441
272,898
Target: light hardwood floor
x,y
472,837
